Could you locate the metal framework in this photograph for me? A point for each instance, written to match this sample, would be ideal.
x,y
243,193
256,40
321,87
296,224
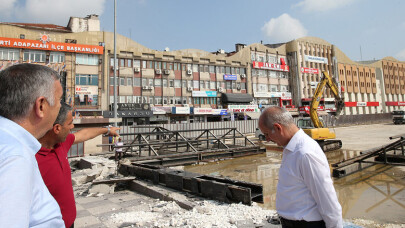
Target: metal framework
x,y
390,154
164,147
217,188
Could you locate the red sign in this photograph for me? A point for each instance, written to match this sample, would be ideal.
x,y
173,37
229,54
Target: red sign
x,y
50,46
309,70
362,104
395,103
270,66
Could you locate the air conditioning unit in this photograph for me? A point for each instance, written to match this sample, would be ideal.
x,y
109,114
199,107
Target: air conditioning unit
x,y
189,89
243,75
150,87
220,89
167,71
189,72
137,69
145,87
158,71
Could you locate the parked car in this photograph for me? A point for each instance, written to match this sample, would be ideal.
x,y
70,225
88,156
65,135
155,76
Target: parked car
x,y
259,134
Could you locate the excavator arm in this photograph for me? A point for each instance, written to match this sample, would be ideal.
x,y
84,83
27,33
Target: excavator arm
x,y
326,80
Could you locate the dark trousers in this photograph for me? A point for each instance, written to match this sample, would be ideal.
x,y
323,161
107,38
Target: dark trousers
x,y
286,223
72,226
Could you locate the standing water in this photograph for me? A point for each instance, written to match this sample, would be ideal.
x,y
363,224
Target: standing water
x,y
376,193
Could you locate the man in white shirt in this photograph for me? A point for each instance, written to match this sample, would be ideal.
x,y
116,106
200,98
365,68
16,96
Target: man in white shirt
x,y
29,104
305,193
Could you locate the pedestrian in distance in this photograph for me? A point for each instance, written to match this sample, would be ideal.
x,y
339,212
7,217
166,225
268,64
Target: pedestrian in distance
x,y
118,151
305,194
53,163
30,101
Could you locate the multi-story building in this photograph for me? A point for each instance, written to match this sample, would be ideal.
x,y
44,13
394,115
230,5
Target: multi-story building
x,y
194,85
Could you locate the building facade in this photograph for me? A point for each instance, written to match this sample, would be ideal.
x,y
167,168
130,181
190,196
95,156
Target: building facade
x,y
189,85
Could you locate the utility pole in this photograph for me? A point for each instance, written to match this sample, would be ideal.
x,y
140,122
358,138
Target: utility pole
x,y
115,64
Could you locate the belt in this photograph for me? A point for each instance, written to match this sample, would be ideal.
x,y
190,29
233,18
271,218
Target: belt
x,y
301,223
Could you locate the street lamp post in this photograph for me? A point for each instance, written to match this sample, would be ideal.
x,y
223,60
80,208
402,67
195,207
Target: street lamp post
x,y
115,64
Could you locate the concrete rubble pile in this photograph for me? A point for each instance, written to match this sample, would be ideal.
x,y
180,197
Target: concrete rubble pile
x,y
93,168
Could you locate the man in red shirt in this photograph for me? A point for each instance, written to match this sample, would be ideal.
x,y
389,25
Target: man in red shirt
x,y
54,165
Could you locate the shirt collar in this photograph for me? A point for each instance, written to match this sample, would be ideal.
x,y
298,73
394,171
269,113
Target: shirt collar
x,y
20,134
294,141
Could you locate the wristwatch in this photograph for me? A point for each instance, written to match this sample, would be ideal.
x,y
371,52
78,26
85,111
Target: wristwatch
x,y
108,130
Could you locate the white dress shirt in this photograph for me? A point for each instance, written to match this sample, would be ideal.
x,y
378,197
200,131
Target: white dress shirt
x,y
305,189
24,199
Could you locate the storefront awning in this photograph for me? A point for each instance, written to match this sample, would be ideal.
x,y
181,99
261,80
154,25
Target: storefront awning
x,y
236,98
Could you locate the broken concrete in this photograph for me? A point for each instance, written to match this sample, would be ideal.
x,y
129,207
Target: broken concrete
x,y
102,189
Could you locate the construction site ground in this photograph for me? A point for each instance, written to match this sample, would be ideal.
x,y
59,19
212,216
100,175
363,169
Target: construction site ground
x,y
122,206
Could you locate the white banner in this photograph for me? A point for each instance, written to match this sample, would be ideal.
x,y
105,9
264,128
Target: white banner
x,y
316,59
86,90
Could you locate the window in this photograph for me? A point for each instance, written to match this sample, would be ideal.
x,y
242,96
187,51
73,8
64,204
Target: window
x,y
87,59
81,99
9,54
112,81
122,62
202,85
211,69
273,88
177,84
129,99
171,83
158,100
122,81
90,79
57,57
207,84
137,63
158,82
184,84
34,56
151,82
144,64
228,85
212,86
164,82
165,100
144,82
196,84
242,85
129,81
137,81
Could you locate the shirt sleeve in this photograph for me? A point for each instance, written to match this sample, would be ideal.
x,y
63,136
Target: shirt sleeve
x,y
316,175
16,191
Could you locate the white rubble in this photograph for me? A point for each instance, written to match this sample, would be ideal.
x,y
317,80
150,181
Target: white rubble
x,y
206,214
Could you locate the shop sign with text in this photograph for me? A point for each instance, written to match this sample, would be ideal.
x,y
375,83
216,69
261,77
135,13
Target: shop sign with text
x,y
180,110
221,112
243,108
86,90
230,77
309,70
316,59
50,46
204,93
202,111
270,66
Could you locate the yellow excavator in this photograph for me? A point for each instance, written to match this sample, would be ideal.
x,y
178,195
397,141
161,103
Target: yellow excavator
x,y
314,126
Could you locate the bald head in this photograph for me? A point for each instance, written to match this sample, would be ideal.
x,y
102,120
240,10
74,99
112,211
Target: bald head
x,y
275,114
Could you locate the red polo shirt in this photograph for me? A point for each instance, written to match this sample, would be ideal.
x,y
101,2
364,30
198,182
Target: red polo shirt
x,y
55,170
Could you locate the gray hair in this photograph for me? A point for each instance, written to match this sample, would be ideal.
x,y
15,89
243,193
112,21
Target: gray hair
x,y
21,85
63,111
276,114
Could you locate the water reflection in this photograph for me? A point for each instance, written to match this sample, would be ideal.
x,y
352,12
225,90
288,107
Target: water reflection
x,y
376,193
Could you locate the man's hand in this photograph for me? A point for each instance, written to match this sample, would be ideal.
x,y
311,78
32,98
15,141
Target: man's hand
x,y
113,131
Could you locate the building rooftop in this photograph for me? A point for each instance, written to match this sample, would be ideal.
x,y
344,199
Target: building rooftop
x,y
49,27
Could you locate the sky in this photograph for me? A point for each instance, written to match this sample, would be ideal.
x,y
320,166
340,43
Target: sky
x,y
362,29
